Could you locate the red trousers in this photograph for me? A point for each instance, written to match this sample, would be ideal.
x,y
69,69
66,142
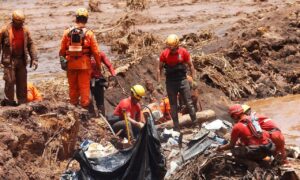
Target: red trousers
x,y
79,86
278,140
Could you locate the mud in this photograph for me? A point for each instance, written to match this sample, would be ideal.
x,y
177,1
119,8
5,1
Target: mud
x,y
241,49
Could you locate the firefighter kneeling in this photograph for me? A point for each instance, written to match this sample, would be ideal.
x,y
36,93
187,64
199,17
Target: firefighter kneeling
x,y
254,146
128,118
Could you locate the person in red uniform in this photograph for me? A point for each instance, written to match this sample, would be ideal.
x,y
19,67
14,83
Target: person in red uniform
x,y
270,126
132,108
174,60
98,82
254,146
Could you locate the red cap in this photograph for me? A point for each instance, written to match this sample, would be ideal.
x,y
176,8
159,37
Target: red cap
x,y
236,109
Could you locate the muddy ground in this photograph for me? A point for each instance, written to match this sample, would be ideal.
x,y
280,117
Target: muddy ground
x,y
241,49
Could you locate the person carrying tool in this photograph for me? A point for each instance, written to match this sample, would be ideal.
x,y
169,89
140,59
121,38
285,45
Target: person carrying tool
x,y
253,145
98,82
16,45
33,93
275,133
78,44
174,60
129,109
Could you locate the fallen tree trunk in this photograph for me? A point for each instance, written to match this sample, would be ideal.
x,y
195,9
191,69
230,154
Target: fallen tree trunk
x,y
185,120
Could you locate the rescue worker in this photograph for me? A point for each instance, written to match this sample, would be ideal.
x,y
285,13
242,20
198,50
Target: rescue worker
x,y
132,109
78,44
165,109
98,82
253,146
270,126
174,60
33,93
16,45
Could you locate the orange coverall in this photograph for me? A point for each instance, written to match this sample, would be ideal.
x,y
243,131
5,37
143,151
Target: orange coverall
x,y
79,68
33,94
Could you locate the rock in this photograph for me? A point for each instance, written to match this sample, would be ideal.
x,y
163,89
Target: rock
x,y
251,45
256,56
296,89
255,75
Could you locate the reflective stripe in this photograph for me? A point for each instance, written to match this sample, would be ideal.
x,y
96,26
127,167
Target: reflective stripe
x,y
266,120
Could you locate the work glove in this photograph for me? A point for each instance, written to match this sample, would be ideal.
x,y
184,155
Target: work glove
x,y
34,65
63,63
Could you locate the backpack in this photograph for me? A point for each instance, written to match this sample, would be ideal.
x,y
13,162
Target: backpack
x,y
76,46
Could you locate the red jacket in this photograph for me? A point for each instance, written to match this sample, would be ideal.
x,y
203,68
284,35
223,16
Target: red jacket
x,y
242,132
181,56
96,72
266,123
133,110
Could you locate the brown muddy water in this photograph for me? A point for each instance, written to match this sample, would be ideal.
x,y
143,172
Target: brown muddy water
x,y
286,113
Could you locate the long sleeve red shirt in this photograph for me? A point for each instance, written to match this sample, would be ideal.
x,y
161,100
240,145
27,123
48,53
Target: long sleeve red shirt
x,y
96,72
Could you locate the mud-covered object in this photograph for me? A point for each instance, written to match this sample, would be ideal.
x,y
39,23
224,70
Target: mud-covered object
x,y
143,161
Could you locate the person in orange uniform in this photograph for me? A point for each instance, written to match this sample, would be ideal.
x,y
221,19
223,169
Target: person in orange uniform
x,y
33,93
132,108
16,45
254,146
78,44
275,133
98,82
165,109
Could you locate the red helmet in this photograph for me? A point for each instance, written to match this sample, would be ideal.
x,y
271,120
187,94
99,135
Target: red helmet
x,y
236,109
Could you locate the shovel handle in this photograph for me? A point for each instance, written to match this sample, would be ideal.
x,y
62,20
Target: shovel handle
x,y
127,126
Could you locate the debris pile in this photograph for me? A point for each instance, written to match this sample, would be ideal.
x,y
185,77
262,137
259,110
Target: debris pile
x,y
38,138
267,53
218,72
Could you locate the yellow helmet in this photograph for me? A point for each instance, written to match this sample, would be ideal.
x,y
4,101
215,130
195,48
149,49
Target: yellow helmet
x,y
138,91
172,40
246,108
18,15
82,12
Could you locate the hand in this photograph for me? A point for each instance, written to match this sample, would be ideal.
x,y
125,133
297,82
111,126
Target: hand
x,y
1,66
63,63
34,65
140,125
